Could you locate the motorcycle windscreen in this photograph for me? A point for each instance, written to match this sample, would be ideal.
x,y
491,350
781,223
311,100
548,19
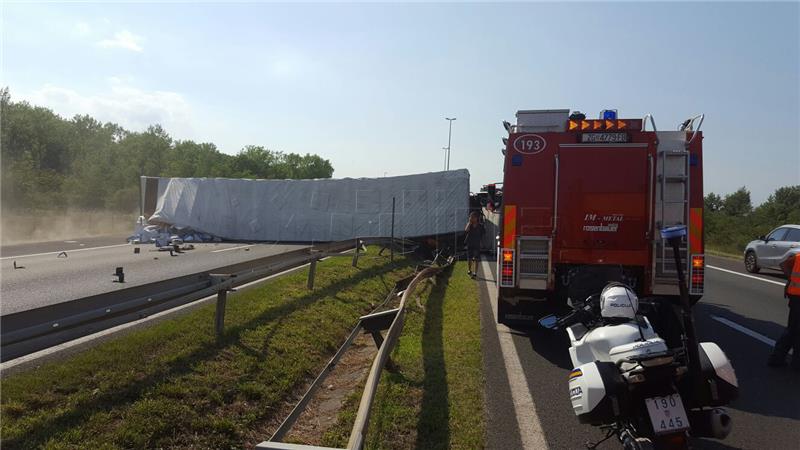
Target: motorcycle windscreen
x,y
602,198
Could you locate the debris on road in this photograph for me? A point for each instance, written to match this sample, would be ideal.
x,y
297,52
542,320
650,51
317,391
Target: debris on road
x,y
162,235
62,255
120,275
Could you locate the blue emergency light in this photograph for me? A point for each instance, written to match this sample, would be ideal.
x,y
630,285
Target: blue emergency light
x,y
609,114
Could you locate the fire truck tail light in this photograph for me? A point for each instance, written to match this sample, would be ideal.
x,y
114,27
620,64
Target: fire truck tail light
x,y
698,261
507,268
697,280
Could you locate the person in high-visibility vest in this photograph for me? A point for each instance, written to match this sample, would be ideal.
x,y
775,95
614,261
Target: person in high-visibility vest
x,y
791,337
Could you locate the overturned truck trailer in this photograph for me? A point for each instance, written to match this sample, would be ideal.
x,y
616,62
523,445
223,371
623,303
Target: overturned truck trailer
x,y
310,210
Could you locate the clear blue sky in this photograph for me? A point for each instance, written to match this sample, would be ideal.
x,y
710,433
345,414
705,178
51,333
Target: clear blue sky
x,y
368,85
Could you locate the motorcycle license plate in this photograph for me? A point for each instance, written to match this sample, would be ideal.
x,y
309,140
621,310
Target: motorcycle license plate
x,y
667,414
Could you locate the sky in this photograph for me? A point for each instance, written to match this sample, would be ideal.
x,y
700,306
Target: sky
x,y
368,86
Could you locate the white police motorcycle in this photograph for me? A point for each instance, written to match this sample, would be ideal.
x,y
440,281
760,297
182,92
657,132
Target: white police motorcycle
x,y
626,379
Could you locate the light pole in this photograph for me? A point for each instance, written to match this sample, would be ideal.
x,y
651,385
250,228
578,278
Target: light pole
x,y
449,135
445,157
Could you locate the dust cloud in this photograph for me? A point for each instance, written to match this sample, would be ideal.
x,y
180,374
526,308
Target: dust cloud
x,y
39,226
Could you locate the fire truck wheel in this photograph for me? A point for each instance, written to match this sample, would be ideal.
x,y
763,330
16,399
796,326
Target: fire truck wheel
x,y
502,310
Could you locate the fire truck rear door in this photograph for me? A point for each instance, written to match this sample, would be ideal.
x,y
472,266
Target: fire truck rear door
x,y
602,196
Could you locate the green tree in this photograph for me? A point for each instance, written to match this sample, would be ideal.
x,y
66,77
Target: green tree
x,y
49,162
782,206
712,202
737,203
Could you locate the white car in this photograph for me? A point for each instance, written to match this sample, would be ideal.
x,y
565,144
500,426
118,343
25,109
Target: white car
x,y
768,251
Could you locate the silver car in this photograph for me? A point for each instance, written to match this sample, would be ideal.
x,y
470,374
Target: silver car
x,y
768,251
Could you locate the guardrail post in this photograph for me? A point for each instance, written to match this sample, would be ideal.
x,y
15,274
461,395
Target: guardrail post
x,y
355,255
391,241
378,338
312,269
222,297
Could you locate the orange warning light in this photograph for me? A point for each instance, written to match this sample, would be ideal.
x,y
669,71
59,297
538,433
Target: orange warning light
x,y
573,125
585,124
621,124
609,124
597,125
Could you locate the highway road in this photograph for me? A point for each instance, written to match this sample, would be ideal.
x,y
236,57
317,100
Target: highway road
x,y
526,370
48,277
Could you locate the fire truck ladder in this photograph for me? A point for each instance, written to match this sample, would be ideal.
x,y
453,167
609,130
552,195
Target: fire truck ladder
x,y
672,198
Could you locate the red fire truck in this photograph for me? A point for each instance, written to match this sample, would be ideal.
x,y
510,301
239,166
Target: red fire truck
x,y
583,202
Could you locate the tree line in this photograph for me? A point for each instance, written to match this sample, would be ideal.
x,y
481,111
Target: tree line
x,y
732,221
50,162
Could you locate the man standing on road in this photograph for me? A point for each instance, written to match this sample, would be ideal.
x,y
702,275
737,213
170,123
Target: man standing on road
x,y
473,236
791,337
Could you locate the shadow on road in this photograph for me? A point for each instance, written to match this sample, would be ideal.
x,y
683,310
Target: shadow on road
x,y
762,390
553,345
778,275
710,444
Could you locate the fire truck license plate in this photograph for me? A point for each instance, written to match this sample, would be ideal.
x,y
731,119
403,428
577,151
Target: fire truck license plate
x,y
667,413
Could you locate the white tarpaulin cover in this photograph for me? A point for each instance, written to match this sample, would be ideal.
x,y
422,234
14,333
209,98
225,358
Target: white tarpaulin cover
x,y
314,210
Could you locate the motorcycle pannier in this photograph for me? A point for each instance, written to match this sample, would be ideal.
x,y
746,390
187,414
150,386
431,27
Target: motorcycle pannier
x,y
596,390
723,386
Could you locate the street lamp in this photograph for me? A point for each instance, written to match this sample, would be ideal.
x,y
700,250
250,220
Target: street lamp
x,y
445,157
449,135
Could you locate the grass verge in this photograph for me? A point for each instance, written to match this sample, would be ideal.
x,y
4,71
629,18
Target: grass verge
x,y
435,398
725,254
172,385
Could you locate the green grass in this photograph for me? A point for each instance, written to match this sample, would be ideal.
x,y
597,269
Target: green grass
x,y
723,253
172,385
435,398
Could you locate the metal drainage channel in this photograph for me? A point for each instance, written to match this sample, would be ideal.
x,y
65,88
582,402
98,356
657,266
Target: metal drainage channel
x,y
373,323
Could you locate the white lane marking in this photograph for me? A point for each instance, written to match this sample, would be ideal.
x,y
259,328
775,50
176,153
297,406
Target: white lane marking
x,y
747,331
229,249
65,250
530,428
746,276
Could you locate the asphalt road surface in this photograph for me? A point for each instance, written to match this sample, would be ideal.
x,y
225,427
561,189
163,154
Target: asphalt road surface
x,y
46,276
527,369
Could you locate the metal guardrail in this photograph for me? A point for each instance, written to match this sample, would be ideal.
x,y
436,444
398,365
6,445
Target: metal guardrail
x,y
370,323
37,329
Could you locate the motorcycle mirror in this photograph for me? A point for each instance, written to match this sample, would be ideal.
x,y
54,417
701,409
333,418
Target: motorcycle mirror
x,y
548,322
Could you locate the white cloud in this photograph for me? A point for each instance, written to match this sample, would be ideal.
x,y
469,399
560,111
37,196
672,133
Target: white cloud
x,y
123,39
133,108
